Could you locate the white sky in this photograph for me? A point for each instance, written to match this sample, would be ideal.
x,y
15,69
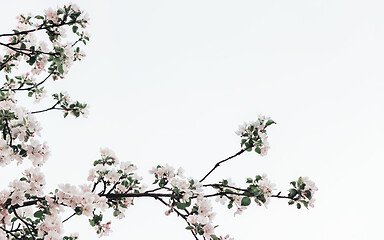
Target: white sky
x,y
170,81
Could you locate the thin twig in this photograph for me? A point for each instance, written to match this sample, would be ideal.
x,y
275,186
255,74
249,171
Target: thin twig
x,y
222,161
37,29
25,223
69,217
9,232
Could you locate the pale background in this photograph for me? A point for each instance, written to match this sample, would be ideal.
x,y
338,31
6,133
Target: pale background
x,y
170,81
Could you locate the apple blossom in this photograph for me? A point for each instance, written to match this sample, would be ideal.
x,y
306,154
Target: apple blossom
x,y
28,212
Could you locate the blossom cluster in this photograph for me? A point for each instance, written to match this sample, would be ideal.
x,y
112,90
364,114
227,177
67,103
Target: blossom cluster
x,y
5,216
259,189
254,135
69,106
81,199
45,222
182,189
25,80
183,192
53,55
23,44
302,192
19,129
167,174
115,177
48,220
201,218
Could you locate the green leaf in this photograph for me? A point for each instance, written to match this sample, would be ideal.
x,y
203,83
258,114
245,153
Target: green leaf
x,y
300,181
256,191
162,182
74,29
292,192
291,202
38,214
31,60
116,213
180,206
249,180
78,210
245,201
298,205
189,228
308,194
269,122
39,17
258,150
60,68
97,162
76,113
56,60
214,237
92,222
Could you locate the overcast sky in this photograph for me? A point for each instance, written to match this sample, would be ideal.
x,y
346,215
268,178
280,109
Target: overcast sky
x,y
170,81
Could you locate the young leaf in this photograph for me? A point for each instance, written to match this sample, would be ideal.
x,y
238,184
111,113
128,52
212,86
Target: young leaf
x,y
269,122
245,201
74,29
38,214
92,222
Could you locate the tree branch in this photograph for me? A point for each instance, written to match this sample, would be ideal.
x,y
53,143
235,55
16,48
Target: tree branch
x,y
222,161
69,217
2,66
28,225
27,51
29,88
41,27
9,232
